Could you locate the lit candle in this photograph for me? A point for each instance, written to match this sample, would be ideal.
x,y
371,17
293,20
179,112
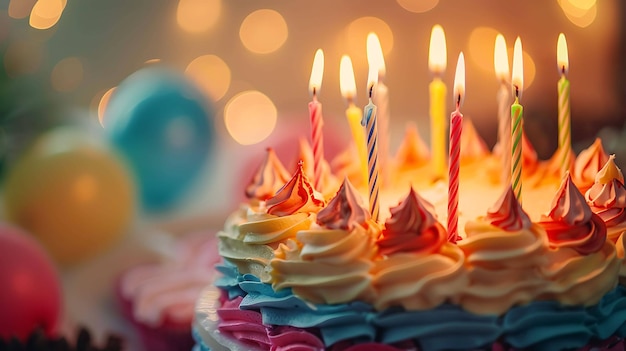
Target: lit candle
x,y
437,57
369,121
381,99
565,125
315,113
501,65
517,112
347,86
456,128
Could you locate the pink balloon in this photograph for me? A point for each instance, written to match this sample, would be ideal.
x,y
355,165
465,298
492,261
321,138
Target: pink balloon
x,y
30,292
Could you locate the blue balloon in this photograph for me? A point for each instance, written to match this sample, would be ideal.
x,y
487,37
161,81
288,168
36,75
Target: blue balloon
x,y
163,125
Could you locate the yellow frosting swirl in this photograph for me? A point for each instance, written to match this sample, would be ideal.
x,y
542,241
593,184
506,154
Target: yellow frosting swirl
x,y
327,265
503,266
417,280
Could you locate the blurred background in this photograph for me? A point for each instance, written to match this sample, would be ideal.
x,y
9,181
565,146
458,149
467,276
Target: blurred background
x,y
65,62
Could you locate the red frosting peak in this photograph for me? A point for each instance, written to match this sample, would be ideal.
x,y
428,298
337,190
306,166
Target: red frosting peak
x,y
571,223
507,213
345,210
270,176
294,197
588,164
412,227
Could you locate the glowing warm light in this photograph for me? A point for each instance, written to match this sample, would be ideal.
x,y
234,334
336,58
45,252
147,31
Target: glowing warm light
x,y
581,13
437,51
501,59
263,31
22,57
103,104
46,13
19,9
355,37
418,6
375,53
518,68
562,57
151,61
317,73
197,16
459,80
211,74
85,188
372,80
480,48
250,117
67,74
347,83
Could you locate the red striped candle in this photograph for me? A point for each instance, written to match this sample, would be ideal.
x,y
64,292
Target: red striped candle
x,y
317,122
456,128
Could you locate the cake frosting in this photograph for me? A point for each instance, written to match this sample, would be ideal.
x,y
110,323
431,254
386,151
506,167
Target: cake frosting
x,y
303,271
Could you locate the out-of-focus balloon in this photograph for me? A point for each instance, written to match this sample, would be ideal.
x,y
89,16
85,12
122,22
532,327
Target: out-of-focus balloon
x,y
30,296
164,126
72,193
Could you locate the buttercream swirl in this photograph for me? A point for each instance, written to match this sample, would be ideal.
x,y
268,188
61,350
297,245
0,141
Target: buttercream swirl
x,y
473,147
412,152
285,338
412,227
571,223
268,179
295,196
244,325
607,198
305,154
345,210
507,213
168,290
327,265
503,266
587,165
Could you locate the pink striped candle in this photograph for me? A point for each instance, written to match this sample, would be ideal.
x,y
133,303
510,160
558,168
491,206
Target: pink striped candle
x,y
371,134
317,122
456,128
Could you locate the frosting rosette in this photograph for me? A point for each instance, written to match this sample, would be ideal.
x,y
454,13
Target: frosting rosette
x,y
607,198
330,262
297,196
305,155
587,165
473,147
582,264
503,254
419,269
268,179
412,152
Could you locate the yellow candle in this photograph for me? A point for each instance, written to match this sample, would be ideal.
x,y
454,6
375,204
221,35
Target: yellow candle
x,y
565,135
354,115
437,58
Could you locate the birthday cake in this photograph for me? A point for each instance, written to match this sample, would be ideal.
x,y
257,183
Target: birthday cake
x,y
305,269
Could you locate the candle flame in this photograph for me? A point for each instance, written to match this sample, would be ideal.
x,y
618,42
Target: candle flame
x,y
459,81
317,72
347,84
562,57
375,53
518,68
372,80
501,59
437,52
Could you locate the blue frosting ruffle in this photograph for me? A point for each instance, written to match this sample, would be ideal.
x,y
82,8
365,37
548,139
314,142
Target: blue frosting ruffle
x,y
540,325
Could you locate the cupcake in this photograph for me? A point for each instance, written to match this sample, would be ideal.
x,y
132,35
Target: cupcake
x,y
159,298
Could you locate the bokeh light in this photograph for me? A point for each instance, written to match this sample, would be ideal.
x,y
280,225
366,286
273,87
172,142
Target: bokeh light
x,y
263,31
581,13
250,117
418,6
46,13
481,47
197,16
67,74
102,105
22,57
356,35
19,9
85,188
211,74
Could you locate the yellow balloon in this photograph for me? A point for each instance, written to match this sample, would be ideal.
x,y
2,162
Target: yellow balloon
x,y
73,194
